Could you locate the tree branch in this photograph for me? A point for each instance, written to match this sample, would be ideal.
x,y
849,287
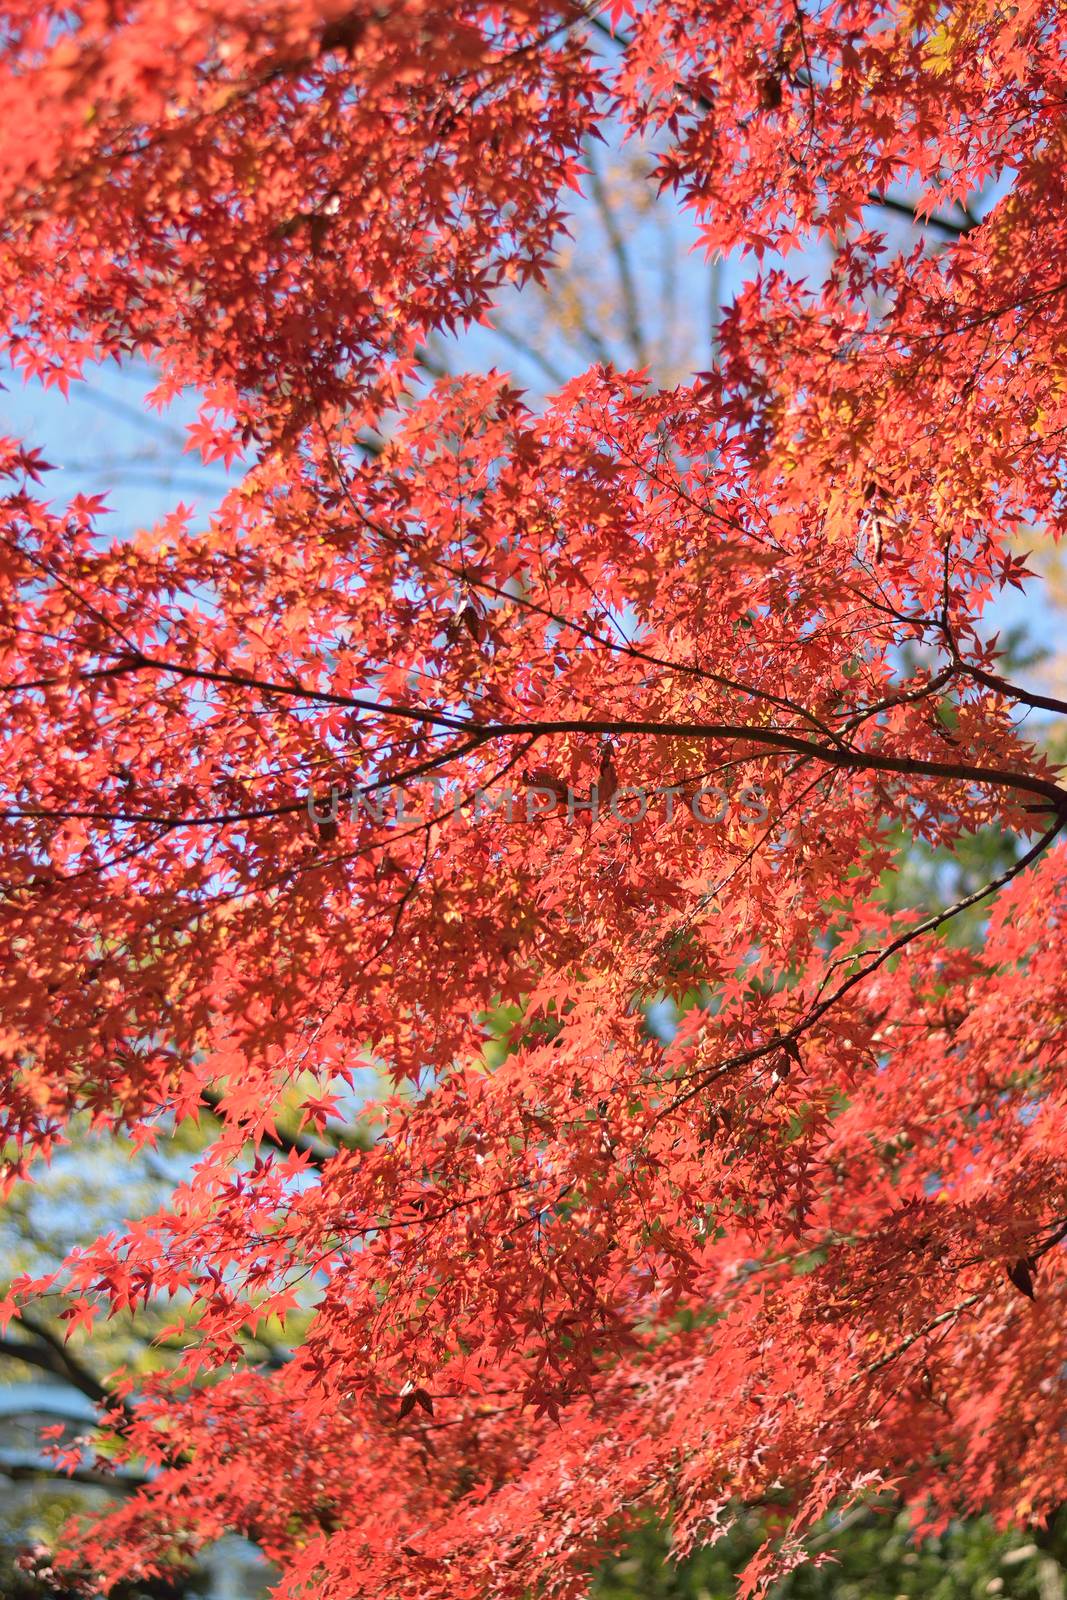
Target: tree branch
x,y
318,1151
1044,702
22,1472
903,208
49,1354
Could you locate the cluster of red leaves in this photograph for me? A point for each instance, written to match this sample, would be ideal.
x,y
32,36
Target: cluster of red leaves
x,y
778,1258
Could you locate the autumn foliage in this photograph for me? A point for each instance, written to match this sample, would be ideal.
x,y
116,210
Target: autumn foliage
x,y
808,1246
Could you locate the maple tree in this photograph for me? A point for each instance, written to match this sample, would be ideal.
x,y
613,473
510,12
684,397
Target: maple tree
x,y
805,1249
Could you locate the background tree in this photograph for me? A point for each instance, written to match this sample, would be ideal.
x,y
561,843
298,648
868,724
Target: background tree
x,y
594,1272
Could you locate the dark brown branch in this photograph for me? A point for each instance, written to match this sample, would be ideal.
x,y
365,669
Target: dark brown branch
x,y
318,1151
904,208
50,1354
788,1040
1044,702
836,755
887,202
40,1356
769,739
254,814
127,1481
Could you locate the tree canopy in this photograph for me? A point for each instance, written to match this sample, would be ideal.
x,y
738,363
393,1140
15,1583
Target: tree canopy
x,y
466,731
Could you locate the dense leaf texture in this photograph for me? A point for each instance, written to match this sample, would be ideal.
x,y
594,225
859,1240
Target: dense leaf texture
x,y
809,1246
